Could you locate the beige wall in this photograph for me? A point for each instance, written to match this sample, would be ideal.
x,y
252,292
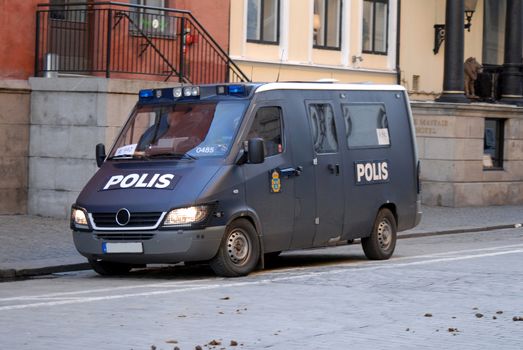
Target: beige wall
x,y
450,148
14,143
417,42
296,59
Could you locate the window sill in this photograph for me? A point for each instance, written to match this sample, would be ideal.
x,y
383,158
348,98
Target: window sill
x,y
331,48
493,169
262,42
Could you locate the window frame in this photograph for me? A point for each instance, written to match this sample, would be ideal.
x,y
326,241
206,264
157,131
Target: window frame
x,y
499,143
261,20
282,128
372,39
325,34
172,23
345,125
61,10
308,105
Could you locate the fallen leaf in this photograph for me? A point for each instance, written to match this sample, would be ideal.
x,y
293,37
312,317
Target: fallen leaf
x,y
478,315
172,341
428,315
234,343
214,343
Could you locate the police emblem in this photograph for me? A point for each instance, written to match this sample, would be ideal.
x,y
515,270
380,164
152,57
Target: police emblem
x,y
275,181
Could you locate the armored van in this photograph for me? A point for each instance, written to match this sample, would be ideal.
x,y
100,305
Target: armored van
x,y
229,174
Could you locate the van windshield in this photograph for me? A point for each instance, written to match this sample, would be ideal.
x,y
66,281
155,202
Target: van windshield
x,y
182,130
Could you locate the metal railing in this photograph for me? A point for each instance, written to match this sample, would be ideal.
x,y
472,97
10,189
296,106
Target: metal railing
x,y
126,41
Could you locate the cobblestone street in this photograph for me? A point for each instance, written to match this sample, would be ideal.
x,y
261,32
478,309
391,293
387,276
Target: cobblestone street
x,y
447,292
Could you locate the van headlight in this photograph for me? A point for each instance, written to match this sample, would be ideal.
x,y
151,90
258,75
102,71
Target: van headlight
x,y
186,216
79,218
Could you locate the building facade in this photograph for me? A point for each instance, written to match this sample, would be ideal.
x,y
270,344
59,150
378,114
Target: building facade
x,y
471,151
61,93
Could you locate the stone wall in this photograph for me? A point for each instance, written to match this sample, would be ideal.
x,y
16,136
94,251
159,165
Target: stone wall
x,y
69,116
14,143
450,147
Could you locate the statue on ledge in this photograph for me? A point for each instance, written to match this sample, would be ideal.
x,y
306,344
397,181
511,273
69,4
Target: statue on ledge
x,y
472,68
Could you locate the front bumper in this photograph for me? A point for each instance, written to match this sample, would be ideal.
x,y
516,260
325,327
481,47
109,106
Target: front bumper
x,y
163,247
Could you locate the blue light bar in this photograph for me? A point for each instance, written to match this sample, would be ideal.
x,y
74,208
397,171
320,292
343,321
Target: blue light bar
x,y
236,89
146,93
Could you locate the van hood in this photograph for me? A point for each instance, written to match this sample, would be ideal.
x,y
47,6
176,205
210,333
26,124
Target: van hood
x,y
145,186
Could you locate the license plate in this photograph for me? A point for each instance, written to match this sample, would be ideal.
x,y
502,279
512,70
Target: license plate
x,y
128,247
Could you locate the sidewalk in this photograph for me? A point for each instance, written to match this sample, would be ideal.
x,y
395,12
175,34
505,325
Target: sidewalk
x,y
31,245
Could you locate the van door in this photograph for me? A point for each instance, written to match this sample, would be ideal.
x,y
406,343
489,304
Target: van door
x,y
327,165
269,189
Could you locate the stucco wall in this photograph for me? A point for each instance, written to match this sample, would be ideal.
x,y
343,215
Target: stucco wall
x,y
14,143
17,38
69,116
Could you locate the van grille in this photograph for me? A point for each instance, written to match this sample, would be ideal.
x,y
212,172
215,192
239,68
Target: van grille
x,y
108,220
125,236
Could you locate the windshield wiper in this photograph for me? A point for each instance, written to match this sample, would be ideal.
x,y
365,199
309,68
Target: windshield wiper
x,y
172,155
127,156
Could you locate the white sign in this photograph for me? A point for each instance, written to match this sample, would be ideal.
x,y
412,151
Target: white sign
x,y
154,181
383,136
127,150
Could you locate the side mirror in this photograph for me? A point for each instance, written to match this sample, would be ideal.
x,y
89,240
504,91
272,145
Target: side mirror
x,y
256,151
100,154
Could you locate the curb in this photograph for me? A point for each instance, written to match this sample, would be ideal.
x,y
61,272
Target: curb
x,y
12,274
457,231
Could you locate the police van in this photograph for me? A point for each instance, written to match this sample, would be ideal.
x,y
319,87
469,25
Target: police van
x,y
229,174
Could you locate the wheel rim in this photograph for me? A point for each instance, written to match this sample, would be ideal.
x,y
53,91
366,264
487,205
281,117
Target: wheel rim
x,y
385,234
238,247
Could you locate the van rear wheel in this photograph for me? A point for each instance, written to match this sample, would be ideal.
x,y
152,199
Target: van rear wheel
x,y
239,250
109,268
382,241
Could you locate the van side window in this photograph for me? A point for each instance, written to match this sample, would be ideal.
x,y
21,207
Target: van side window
x,y
267,125
366,125
323,128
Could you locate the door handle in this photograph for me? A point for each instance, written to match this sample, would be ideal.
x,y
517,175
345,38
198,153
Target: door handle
x,y
290,172
334,169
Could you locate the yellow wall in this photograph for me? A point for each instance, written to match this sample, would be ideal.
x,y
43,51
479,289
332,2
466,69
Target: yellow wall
x,y
297,60
417,42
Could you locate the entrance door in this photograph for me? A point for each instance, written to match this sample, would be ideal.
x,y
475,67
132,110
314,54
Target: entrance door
x,y
268,191
327,164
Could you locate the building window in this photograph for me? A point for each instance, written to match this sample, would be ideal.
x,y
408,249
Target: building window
x,y
327,24
493,143
68,10
375,26
323,128
366,125
263,24
268,125
151,21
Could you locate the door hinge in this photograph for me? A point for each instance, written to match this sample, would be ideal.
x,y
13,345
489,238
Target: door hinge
x,y
317,221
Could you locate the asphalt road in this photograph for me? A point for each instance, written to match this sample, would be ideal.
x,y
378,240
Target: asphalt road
x,y
444,292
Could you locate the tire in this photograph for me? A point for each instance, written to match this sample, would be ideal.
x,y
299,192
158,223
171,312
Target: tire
x,y
382,241
108,268
239,250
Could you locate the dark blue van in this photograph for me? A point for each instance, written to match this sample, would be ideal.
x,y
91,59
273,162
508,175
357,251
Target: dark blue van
x,y
229,173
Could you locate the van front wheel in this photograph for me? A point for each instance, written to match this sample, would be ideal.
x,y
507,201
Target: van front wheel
x,y
382,241
239,250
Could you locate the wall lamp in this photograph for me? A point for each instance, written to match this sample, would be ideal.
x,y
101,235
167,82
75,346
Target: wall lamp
x,y
439,29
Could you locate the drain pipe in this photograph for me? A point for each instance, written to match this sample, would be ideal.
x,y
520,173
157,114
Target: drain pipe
x,y
398,33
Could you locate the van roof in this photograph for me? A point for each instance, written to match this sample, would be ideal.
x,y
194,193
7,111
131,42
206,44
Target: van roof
x,y
328,86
